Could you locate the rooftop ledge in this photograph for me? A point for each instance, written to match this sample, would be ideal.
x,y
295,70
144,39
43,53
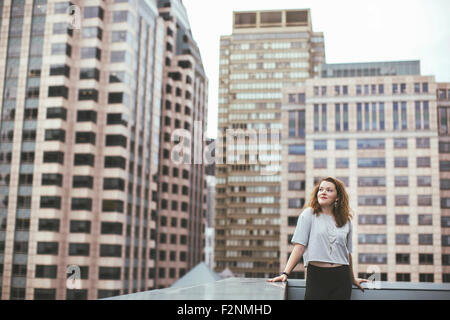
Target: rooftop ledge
x,y
260,289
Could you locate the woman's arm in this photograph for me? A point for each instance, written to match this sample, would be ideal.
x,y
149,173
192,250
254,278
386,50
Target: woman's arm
x,y
357,282
295,257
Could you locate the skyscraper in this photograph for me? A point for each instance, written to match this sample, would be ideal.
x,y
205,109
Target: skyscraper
x,y
373,126
268,50
79,152
182,180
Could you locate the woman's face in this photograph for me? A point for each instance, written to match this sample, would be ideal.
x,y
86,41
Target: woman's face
x,y
327,194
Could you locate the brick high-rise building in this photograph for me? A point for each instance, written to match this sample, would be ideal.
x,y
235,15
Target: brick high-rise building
x,y
180,237
266,51
79,146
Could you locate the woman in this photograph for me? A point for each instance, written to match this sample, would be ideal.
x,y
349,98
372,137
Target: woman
x,y
324,235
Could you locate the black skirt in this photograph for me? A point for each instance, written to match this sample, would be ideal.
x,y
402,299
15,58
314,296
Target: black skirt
x,y
328,283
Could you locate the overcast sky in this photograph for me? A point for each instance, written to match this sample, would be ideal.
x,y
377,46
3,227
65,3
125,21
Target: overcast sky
x,y
354,31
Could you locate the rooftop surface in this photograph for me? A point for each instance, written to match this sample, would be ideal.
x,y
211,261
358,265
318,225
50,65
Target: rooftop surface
x,y
260,289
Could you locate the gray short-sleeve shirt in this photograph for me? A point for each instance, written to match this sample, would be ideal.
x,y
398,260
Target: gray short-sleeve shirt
x,y
323,240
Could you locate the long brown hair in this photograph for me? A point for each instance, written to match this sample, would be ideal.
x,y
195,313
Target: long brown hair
x,y
342,209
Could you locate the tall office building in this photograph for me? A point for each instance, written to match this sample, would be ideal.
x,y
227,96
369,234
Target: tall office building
x,y
79,129
443,104
373,126
267,50
180,236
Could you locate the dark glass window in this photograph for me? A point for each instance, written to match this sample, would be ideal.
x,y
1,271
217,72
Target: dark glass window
x,y
56,113
46,271
83,182
81,204
58,91
78,249
111,228
60,70
110,250
84,159
54,157
115,97
87,115
85,137
44,294
109,205
55,134
113,184
52,179
89,73
47,248
80,226
116,140
87,94
109,273
115,162
48,225
116,118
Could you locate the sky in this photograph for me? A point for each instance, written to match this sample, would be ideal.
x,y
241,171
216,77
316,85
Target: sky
x,y
354,31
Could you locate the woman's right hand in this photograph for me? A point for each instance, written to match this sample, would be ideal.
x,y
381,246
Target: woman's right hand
x,y
282,278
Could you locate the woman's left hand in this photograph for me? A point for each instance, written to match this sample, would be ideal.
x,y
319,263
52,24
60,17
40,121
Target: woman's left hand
x,y
357,282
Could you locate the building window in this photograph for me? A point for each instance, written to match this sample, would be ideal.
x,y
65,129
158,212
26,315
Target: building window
x,y
402,258
84,159
48,225
402,200
423,162
85,137
87,115
113,184
296,149
83,182
92,32
46,271
111,228
425,239
403,277
93,12
55,134
115,162
57,113
89,73
79,249
87,94
52,179
91,53
47,248
58,91
81,204
116,140
110,250
116,118
109,205
402,238
372,200
80,226
402,219
53,157
60,70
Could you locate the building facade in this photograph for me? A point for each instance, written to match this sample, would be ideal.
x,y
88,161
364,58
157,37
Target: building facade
x,y
79,153
443,104
379,135
266,51
182,191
